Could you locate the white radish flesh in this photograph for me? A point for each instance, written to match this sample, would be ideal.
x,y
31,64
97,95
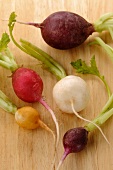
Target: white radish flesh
x,y
71,88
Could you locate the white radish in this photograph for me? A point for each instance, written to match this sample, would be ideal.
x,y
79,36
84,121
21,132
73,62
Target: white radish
x,y
71,95
71,89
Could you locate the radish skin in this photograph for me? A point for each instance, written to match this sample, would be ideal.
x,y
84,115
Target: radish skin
x,y
71,88
28,118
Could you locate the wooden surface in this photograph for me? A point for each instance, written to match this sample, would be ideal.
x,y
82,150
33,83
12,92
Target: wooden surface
x,y
22,149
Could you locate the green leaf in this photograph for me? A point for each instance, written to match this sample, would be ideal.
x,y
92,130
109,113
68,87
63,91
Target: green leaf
x,y
82,67
4,41
12,20
6,104
6,57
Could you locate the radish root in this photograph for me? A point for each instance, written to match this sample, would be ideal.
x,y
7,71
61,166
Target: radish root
x,y
44,126
89,122
54,118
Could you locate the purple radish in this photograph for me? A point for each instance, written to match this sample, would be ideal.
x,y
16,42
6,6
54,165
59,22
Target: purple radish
x,y
75,140
65,30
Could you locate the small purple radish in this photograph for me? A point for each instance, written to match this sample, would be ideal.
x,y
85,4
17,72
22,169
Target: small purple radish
x,y
65,30
74,140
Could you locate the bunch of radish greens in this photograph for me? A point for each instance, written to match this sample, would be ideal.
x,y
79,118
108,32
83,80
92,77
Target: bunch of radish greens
x,y
75,139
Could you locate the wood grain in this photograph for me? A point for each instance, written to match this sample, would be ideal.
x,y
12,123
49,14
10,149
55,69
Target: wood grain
x,y
21,149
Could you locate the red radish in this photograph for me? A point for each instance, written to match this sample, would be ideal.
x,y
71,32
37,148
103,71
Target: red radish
x,y
65,30
27,84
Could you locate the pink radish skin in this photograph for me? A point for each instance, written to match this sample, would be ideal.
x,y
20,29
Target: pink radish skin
x,y
28,86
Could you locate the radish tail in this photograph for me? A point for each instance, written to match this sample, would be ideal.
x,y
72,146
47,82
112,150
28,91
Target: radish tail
x,y
43,125
63,158
89,122
30,23
53,116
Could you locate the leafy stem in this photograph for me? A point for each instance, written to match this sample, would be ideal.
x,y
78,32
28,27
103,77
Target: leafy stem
x,y
105,22
47,61
104,115
7,59
106,47
82,67
6,104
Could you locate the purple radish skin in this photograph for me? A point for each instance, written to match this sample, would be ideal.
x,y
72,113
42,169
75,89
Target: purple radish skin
x,y
74,140
64,30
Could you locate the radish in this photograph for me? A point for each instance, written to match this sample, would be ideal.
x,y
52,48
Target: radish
x,y
26,117
35,52
27,84
71,89
75,140
65,30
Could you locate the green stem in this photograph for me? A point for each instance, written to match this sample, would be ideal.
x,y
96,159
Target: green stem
x,y
106,47
37,53
47,56
108,106
7,60
6,104
105,114
106,85
105,22
99,121
47,61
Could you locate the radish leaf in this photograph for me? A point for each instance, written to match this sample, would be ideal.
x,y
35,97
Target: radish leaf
x,y
4,41
82,67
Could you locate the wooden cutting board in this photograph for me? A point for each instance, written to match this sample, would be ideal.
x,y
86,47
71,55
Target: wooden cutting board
x,y
22,149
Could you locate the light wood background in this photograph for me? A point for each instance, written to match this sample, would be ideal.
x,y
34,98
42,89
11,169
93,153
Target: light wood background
x,y
22,149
